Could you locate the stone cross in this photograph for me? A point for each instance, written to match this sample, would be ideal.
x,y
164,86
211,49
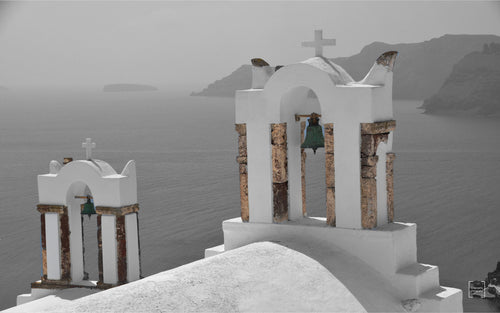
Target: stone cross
x,y
88,145
319,42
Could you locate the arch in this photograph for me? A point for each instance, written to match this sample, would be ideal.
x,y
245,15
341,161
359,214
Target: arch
x,y
115,199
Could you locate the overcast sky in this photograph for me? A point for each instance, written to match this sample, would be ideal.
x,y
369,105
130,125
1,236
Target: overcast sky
x,y
194,43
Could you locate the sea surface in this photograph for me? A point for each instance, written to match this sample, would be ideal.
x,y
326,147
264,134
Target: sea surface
x,y
447,175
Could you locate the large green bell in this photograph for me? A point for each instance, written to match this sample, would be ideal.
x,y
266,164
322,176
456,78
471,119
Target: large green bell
x,y
314,134
88,208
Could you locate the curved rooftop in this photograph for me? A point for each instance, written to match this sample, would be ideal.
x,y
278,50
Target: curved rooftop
x,y
336,72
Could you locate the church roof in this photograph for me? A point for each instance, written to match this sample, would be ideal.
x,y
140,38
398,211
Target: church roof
x,y
258,277
338,74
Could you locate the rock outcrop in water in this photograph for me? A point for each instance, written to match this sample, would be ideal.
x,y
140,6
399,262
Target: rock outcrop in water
x,y
473,88
421,68
128,87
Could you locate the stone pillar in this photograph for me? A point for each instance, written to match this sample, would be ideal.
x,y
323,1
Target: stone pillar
x,y
99,246
44,248
330,174
390,186
280,172
371,135
242,162
121,241
121,247
303,157
65,246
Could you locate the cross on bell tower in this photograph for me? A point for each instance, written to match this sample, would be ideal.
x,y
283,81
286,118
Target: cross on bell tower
x,y
88,145
319,42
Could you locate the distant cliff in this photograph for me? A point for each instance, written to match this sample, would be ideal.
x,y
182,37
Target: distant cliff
x,y
421,68
128,87
240,79
473,88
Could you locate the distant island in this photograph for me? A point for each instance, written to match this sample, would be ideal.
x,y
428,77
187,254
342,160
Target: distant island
x,y
128,87
421,68
2,88
473,88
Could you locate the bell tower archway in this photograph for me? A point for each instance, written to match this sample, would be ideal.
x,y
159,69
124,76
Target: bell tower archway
x,y
61,195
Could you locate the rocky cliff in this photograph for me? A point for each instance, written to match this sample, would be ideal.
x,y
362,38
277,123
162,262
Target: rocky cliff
x,y
421,68
473,87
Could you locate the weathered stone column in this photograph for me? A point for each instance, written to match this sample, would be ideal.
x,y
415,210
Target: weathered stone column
x,y
280,172
390,186
303,156
121,247
242,161
330,174
121,240
65,246
371,135
44,248
99,246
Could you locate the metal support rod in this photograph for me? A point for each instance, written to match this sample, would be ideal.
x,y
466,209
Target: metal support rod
x,y
84,197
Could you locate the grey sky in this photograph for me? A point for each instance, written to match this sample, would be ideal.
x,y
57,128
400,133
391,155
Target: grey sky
x,y
193,43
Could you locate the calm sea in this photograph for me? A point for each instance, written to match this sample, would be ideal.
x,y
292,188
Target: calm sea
x,y
446,178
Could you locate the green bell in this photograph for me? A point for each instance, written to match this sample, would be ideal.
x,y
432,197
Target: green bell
x,y
88,208
314,136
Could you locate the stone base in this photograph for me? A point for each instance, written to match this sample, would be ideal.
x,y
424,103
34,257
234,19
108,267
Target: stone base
x,y
389,251
41,289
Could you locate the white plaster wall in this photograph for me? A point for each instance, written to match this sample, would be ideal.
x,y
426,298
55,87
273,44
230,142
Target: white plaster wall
x,y
109,252
76,244
132,236
386,249
52,245
250,109
381,185
108,187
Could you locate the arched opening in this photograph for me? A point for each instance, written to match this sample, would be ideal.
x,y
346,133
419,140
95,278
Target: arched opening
x,y
83,235
306,170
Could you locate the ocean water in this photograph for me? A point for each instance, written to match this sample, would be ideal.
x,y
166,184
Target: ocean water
x,y
446,178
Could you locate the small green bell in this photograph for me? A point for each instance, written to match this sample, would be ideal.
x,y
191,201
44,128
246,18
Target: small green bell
x,y
88,208
314,136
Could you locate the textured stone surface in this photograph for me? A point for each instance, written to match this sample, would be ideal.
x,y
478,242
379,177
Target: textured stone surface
x,y
368,171
99,252
44,247
241,129
280,163
280,202
243,169
49,208
124,210
368,203
378,127
303,157
280,169
242,146
121,249
369,161
329,140
65,247
278,134
390,186
330,170
245,211
330,206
